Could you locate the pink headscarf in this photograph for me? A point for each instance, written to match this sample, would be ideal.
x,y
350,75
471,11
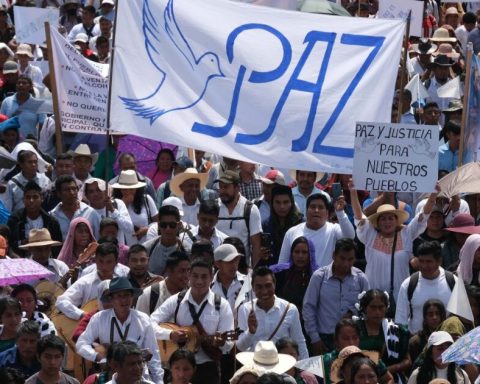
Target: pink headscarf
x,y
66,253
466,256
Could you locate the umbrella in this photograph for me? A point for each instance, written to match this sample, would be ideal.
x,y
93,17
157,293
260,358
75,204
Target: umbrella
x,y
466,350
145,151
17,271
323,6
6,159
463,180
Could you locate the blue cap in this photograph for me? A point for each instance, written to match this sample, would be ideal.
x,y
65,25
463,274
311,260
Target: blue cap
x,y
11,123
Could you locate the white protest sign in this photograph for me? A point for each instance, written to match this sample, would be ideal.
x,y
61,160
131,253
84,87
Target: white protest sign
x,y
313,365
30,23
398,9
260,84
395,157
82,91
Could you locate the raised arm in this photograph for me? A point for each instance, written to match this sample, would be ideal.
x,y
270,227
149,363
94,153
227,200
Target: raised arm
x,y
357,208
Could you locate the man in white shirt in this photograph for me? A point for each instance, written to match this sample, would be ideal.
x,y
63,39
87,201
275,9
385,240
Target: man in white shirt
x,y
85,288
235,211
177,269
95,191
268,317
187,186
121,323
126,362
431,282
201,307
322,233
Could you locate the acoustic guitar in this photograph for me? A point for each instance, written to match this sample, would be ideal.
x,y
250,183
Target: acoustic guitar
x,y
194,340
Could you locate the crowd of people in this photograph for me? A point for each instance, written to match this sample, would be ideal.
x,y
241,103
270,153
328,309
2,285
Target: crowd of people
x,y
205,268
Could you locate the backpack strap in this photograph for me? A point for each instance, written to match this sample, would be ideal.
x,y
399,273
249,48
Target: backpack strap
x,y
280,322
154,295
167,191
147,207
450,277
217,302
247,210
17,183
181,296
412,285
155,243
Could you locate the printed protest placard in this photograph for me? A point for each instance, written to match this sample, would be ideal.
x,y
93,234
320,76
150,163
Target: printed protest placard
x,y
395,9
82,90
395,157
30,23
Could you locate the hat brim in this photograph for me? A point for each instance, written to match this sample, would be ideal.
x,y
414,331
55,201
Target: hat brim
x,y
93,156
52,243
139,184
108,293
402,217
9,71
468,230
285,362
30,56
230,258
443,39
178,180
338,363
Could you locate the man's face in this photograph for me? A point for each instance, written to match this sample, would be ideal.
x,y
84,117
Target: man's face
x,y
453,139
41,254
207,222
343,262
200,280
282,205
122,301
128,163
190,189
32,201
317,214
105,27
168,227
68,192
428,266
64,167
228,192
138,263
431,116
305,180
95,196
130,370
180,274
11,78
264,288
27,302
109,231
248,168
51,361
82,165
469,26
87,17
27,346
267,192
105,265
228,268
441,73
29,165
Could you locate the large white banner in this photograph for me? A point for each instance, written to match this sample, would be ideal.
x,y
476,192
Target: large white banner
x,y
278,87
30,23
82,90
395,157
394,9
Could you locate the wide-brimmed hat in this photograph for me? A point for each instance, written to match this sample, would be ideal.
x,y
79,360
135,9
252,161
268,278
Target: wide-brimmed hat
x,y
453,106
441,34
447,50
441,61
128,180
239,373
464,223
424,47
190,173
39,238
293,174
266,358
84,150
344,354
274,176
24,49
401,214
451,11
118,284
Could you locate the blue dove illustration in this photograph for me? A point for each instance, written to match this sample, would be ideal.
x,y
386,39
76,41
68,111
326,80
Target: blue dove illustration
x,y
199,71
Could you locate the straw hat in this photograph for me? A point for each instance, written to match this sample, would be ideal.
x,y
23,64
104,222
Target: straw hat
x,y
128,180
424,47
345,353
39,238
441,34
190,173
402,215
24,49
239,373
447,50
266,358
84,150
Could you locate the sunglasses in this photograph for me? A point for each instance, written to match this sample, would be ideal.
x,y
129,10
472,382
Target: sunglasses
x,y
171,225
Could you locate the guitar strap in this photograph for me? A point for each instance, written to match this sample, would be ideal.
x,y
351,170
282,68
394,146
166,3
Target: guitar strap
x,y
280,322
196,315
113,325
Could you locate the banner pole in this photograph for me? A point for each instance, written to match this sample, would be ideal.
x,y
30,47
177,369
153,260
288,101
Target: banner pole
x,y
466,97
53,86
403,68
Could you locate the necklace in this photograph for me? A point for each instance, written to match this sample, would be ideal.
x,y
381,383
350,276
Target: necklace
x,y
387,241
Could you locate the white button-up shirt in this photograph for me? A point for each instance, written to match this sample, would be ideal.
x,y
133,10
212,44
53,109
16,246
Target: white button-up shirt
x,y
14,194
232,291
140,330
212,320
266,324
122,217
217,238
84,211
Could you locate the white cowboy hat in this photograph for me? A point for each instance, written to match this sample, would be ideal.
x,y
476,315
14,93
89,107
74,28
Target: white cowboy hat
x,y
84,150
266,358
128,180
190,173
39,238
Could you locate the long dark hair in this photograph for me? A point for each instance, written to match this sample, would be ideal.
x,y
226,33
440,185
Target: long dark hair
x,y
369,296
441,309
426,371
138,200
